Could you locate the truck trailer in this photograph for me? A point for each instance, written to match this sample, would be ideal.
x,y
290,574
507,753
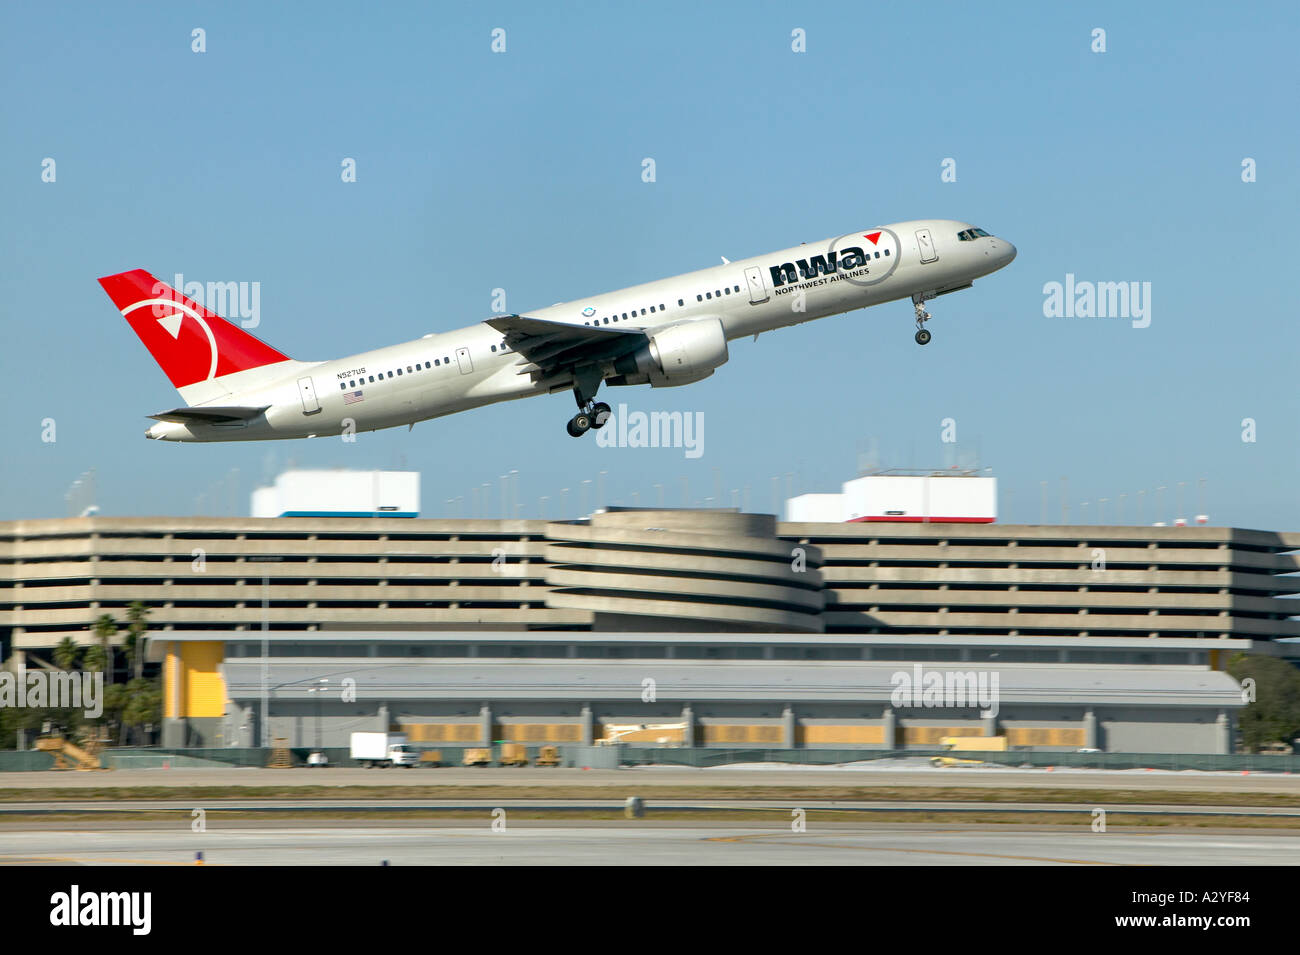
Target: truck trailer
x,y
383,750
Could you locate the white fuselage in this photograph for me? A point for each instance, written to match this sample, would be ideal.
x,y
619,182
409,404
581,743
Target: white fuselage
x,y
470,366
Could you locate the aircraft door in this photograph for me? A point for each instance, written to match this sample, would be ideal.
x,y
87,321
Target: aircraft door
x,y
307,391
462,359
925,243
757,293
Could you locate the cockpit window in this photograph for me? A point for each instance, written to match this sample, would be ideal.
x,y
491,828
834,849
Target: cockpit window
x,y
969,235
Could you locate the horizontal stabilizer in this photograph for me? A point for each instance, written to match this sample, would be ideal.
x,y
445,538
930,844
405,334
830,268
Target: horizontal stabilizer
x,y
212,414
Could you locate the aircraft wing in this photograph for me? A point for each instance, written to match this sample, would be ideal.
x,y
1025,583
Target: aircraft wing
x,y
550,347
210,414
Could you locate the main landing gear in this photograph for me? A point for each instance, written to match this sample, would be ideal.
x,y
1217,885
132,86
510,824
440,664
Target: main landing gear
x,y
922,316
591,414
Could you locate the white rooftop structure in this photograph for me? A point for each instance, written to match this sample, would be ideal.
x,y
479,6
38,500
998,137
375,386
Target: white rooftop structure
x,y
340,493
953,496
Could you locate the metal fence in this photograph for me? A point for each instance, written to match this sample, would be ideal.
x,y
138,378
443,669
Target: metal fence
x,y
1174,762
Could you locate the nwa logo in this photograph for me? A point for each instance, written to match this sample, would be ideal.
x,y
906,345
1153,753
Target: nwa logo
x,y
832,262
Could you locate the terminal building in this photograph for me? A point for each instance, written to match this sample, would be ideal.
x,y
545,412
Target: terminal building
x,y
751,631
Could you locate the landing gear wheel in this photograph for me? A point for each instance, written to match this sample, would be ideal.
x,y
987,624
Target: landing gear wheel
x,y
579,424
922,316
600,413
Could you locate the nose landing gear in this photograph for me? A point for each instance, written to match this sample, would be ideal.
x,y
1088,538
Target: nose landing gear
x,y
922,316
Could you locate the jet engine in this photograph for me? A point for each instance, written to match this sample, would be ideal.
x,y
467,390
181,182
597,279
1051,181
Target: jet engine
x,y
676,355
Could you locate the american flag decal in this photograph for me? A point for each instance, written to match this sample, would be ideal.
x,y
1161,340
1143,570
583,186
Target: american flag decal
x,y
351,397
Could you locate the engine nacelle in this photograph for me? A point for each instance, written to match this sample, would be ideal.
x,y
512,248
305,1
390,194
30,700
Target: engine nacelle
x,y
677,355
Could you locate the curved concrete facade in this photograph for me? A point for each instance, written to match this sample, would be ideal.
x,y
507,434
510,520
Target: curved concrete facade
x,y
717,567
645,570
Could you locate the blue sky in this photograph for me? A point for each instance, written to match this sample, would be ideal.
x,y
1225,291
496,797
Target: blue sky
x,y
522,170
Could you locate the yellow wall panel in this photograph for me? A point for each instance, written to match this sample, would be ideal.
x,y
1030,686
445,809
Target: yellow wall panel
x,y
856,734
203,689
542,732
931,735
714,734
1046,736
442,732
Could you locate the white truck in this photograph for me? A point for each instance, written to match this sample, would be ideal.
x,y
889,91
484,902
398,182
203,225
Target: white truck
x,y
383,750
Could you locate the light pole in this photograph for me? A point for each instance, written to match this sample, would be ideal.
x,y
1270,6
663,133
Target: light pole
x,y
316,691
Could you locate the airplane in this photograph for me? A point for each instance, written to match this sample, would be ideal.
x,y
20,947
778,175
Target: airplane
x,y
664,334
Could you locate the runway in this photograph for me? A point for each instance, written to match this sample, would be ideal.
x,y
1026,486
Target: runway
x,y
635,844
16,812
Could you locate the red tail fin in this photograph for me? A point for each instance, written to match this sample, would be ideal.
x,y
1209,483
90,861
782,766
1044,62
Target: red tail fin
x,y
187,341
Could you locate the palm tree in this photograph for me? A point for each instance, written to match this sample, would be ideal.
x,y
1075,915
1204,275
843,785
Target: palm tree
x,y
106,629
66,654
94,659
136,624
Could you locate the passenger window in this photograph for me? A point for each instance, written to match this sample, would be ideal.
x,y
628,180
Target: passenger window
x,y
343,386
372,379
399,372
426,366
606,319
390,374
886,253
652,309
708,295
625,316
718,294
680,303
643,311
352,384
727,290
877,255
737,288
699,298
437,362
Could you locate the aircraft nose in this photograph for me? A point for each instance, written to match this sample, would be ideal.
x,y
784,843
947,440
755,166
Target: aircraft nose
x,y
1006,252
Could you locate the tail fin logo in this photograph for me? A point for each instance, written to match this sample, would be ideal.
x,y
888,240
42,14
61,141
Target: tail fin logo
x,y
171,321
192,344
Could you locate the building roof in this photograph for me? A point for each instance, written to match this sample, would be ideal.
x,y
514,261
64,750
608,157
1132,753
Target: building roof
x,y
752,680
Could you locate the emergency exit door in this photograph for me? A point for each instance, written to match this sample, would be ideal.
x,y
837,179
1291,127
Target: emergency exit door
x,y
757,292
